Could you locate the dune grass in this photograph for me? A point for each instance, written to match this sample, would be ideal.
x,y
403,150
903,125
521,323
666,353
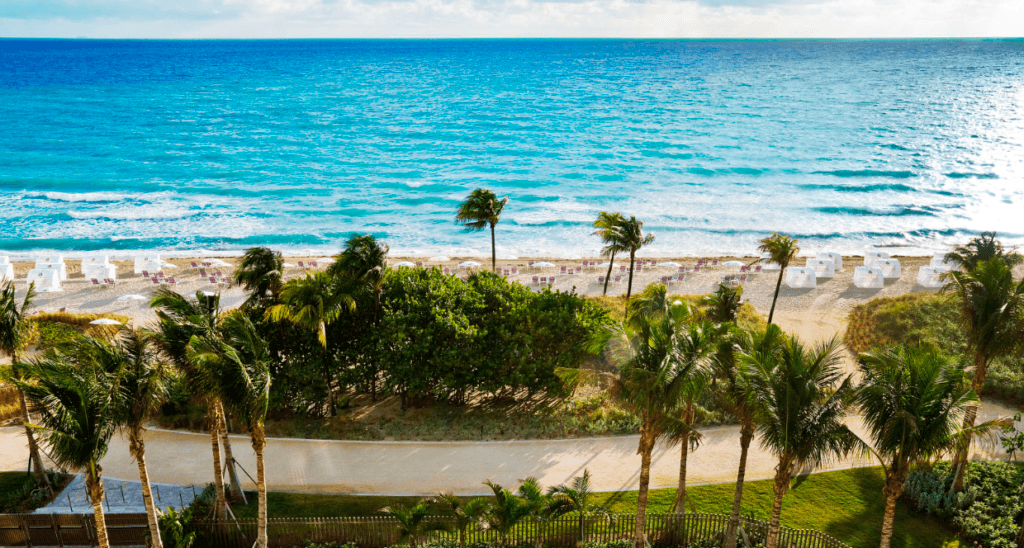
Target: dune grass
x,y
846,504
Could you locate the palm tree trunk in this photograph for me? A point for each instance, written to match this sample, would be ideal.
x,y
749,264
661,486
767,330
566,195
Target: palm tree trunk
x,y
611,262
462,537
219,505
94,487
137,447
746,436
34,455
645,450
259,443
781,486
977,384
680,503
327,382
775,299
229,461
494,253
887,519
629,288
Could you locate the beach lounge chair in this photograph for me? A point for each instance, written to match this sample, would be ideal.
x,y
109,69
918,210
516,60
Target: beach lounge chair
x,y
96,283
543,280
931,277
109,282
800,277
536,280
837,259
563,270
600,280
823,268
891,268
515,271
170,281
301,265
867,277
203,274
155,280
618,279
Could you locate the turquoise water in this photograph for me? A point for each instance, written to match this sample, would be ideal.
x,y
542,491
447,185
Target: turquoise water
x,y
202,146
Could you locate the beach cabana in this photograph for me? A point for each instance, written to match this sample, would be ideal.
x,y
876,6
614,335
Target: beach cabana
x,y
872,257
930,277
53,262
97,267
939,261
6,272
891,268
4,259
45,279
769,266
800,277
145,262
837,259
823,268
867,277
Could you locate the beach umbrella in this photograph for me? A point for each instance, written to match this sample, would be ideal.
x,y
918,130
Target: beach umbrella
x,y
131,297
469,264
440,259
404,264
670,264
104,321
543,264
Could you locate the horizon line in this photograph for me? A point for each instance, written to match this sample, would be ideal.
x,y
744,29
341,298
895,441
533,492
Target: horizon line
x,y
508,38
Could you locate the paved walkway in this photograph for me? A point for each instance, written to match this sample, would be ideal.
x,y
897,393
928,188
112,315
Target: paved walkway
x,y
122,497
420,468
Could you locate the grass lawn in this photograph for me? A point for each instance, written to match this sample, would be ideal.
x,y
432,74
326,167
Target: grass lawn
x,y
846,504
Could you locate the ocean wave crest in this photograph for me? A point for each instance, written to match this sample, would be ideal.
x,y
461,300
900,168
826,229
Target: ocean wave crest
x,y
88,197
897,174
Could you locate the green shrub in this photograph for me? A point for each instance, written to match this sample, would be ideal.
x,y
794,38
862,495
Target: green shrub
x,y
55,334
20,493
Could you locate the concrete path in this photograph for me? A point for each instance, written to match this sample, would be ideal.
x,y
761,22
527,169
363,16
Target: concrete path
x,y
420,468
122,497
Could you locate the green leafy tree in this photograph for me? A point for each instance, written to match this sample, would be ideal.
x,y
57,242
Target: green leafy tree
x,y
577,497
413,522
466,514
992,316
480,210
261,273
239,365
798,398
632,237
78,417
608,226
983,248
14,337
781,250
914,402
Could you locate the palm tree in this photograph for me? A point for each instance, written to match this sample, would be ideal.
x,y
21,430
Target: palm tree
x,y
697,342
261,274
577,497
133,360
180,319
412,520
633,238
312,302
77,406
983,248
798,407
465,514
506,511
992,315
14,328
781,250
240,367
608,226
651,375
723,306
480,210
914,402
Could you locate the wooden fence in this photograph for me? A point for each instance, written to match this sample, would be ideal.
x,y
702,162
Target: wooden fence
x,y
382,531
70,529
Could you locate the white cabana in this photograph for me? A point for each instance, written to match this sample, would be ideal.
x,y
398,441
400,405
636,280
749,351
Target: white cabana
x,y
837,259
6,272
100,272
149,266
145,262
45,280
890,268
872,257
868,277
53,262
767,266
939,261
800,277
930,277
4,259
823,268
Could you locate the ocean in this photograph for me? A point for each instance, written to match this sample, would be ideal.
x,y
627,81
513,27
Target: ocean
x,y
210,147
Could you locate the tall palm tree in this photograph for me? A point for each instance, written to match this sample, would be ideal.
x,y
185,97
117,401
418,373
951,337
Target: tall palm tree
x,y
133,360
697,342
480,210
982,248
413,522
577,497
14,328
240,367
723,306
798,398
261,274
914,402
179,318
992,315
651,374
313,302
633,239
608,227
781,250
466,514
77,407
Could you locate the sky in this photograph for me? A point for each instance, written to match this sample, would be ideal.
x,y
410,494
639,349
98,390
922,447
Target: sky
x,y
511,18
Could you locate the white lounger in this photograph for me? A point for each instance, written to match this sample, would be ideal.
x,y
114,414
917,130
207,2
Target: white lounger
x,y
823,268
837,259
45,280
872,257
930,277
800,277
891,268
868,278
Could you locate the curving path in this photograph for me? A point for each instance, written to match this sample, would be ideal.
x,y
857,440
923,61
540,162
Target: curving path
x,y
421,468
